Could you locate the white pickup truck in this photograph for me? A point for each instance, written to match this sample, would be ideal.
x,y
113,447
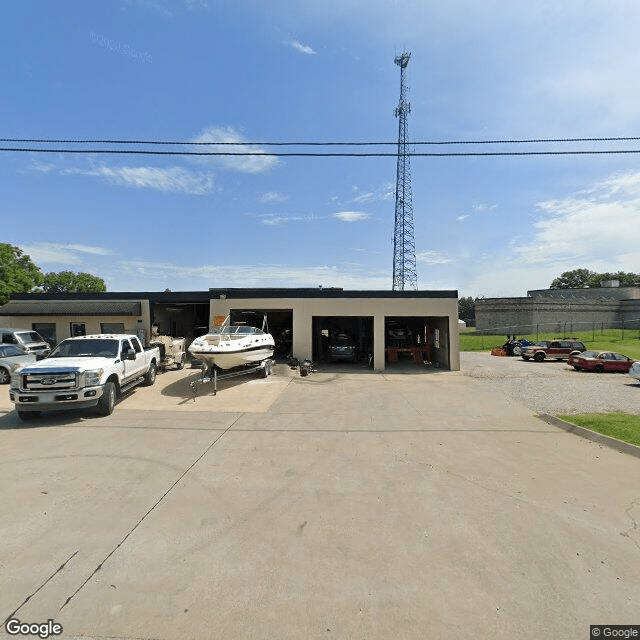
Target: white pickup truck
x,y
88,371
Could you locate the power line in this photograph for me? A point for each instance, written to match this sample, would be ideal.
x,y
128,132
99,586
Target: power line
x,y
317,143
323,154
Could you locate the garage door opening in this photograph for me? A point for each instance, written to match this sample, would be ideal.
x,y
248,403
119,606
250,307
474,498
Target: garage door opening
x,y
181,319
343,339
279,324
418,340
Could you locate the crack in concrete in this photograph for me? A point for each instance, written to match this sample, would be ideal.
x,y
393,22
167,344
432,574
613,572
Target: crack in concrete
x,y
144,517
634,523
51,577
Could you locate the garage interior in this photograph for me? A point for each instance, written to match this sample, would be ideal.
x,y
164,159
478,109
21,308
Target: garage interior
x,y
181,319
342,339
421,340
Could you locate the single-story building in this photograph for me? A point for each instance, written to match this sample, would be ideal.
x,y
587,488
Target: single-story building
x,y
386,326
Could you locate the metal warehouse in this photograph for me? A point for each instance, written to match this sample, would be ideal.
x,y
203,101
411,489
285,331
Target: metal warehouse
x,y
384,327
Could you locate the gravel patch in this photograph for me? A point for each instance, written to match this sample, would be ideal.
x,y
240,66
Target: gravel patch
x,y
553,387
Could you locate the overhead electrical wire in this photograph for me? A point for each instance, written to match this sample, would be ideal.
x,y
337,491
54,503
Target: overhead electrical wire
x,y
325,154
316,143
246,145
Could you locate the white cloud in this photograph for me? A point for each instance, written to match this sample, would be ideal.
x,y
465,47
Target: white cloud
x,y
351,216
50,252
218,139
173,179
598,224
386,192
432,258
462,217
275,220
302,48
267,275
272,197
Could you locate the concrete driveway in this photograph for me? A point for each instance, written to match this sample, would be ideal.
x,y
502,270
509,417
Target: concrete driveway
x,y
334,506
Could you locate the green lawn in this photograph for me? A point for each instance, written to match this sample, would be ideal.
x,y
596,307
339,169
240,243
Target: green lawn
x,y
607,340
623,426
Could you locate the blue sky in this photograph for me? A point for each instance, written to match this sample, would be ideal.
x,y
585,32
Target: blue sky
x,y
321,70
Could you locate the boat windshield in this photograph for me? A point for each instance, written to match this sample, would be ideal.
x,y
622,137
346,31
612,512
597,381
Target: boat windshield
x,y
237,330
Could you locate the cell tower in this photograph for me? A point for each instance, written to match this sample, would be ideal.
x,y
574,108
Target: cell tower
x,y
404,247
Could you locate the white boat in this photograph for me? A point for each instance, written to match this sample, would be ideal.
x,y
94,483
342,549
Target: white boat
x,y
233,345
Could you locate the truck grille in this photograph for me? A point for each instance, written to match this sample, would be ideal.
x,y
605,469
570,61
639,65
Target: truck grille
x,y
50,381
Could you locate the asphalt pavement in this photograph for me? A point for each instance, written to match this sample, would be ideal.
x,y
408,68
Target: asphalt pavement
x,y
333,506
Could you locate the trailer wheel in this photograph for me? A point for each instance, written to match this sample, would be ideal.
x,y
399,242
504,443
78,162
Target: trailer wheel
x,y
266,369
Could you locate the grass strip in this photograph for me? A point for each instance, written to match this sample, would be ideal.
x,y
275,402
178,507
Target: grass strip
x,y
606,340
619,425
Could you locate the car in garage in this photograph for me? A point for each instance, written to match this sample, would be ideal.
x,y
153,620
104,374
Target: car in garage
x,y
600,361
342,347
11,357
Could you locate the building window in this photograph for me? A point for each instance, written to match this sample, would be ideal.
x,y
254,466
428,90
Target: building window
x,y
78,329
47,330
111,327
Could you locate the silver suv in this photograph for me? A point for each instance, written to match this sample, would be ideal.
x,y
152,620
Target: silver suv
x,y
28,341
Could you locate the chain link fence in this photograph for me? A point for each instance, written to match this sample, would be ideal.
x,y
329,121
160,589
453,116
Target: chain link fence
x,y
629,328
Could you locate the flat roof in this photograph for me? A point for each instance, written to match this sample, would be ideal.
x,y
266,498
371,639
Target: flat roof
x,y
236,293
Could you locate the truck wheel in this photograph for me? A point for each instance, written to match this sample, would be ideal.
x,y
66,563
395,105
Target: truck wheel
x,y
28,415
107,400
150,376
4,376
539,357
180,363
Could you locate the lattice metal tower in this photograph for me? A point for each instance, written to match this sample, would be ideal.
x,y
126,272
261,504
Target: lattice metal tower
x,y
404,248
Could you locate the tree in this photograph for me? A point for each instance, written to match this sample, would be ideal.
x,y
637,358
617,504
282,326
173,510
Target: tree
x,y
70,282
467,308
18,274
581,278
576,279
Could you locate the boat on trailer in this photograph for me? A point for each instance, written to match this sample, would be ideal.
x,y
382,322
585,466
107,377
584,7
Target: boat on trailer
x,y
233,345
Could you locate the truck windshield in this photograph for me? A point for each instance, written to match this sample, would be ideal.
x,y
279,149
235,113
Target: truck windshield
x,y
86,348
29,336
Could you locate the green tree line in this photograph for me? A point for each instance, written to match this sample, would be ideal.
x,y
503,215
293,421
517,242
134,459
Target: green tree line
x,y
19,274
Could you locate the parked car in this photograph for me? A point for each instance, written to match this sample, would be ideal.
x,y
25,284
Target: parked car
x,y
28,341
600,361
634,372
558,349
342,347
516,347
12,357
83,372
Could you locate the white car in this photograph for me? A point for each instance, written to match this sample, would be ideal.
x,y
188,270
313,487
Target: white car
x,y
634,372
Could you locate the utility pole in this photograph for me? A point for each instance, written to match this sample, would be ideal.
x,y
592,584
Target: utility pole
x,y
404,248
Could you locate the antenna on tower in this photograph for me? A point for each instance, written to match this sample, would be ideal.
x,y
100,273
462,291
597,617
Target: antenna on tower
x,y
404,248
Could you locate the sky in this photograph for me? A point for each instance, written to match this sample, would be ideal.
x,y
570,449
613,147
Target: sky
x,y
249,71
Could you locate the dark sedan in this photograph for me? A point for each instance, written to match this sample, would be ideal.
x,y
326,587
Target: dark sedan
x,y
600,361
342,347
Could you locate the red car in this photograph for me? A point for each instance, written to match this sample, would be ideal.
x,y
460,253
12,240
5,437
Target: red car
x,y
600,361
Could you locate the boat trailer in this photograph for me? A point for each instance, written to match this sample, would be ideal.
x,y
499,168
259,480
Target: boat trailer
x,y
264,368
